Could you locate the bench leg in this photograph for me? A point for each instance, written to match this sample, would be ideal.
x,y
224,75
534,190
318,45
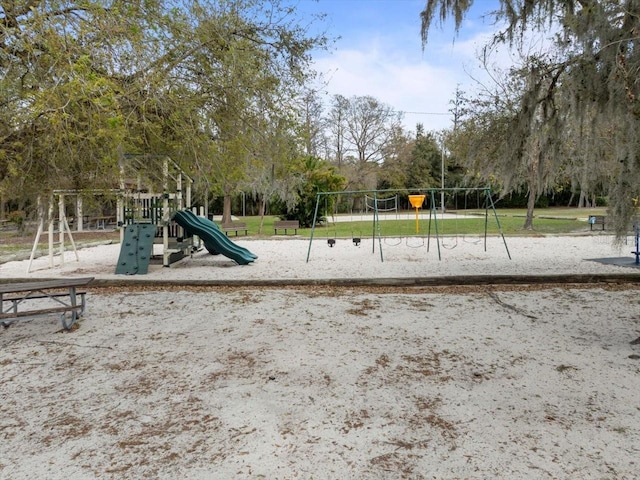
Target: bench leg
x,y
73,317
82,304
73,313
13,307
7,323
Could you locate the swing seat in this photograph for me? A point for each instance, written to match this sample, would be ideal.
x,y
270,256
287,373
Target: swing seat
x,y
356,241
411,244
331,242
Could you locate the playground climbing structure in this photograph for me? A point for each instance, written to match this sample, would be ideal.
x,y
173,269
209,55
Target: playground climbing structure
x,y
152,189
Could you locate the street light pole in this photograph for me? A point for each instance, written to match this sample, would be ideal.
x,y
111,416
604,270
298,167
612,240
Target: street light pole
x,y
442,174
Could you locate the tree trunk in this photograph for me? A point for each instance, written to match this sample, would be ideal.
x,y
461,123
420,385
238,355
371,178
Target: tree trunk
x,y
531,202
584,200
226,209
532,173
261,210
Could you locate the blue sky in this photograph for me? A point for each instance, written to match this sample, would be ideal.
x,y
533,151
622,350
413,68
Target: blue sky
x,y
379,53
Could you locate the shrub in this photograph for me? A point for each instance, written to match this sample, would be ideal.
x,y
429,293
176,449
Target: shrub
x,y
16,217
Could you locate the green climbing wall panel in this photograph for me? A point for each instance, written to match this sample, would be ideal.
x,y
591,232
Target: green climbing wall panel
x,y
136,249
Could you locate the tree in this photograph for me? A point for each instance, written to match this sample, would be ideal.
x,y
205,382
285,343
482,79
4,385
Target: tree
x,y
589,155
397,158
60,115
311,127
485,144
593,75
363,127
370,125
337,127
254,81
275,172
426,157
83,82
317,175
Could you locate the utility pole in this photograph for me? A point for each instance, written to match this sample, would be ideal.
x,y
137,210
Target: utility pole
x,y
458,111
442,173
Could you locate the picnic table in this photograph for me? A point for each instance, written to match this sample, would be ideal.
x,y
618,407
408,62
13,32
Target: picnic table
x,y
43,297
102,221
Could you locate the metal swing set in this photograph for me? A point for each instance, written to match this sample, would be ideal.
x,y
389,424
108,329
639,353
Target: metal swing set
x,y
417,200
356,238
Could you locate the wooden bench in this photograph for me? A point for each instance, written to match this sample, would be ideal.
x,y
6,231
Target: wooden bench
x,y
62,293
597,220
235,227
286,225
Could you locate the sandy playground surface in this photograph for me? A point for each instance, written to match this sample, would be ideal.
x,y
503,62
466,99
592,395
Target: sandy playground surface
x,y
283,259
322,382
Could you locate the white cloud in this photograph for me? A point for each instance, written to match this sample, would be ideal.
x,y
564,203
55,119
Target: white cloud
x,y
390,65
405,85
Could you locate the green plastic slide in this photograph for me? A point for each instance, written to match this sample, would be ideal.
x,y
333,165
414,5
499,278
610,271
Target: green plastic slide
x,y
215,241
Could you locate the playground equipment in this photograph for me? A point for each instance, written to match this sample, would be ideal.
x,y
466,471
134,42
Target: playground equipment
x,y
215,241
636,228
381,205
152,189
60,199
416,202
449,242
331,241
465,238
426,194
63,230
152,207
136,250
636,252
356,239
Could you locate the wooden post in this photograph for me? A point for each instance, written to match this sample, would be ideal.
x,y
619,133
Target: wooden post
x,y
165,212
188,199
79,214
121,204
61,220
38,234
51,232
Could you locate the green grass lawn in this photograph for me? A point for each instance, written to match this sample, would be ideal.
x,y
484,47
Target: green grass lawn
x,y
547,221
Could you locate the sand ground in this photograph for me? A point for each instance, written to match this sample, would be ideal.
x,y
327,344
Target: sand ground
x,y
289,258
331,383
